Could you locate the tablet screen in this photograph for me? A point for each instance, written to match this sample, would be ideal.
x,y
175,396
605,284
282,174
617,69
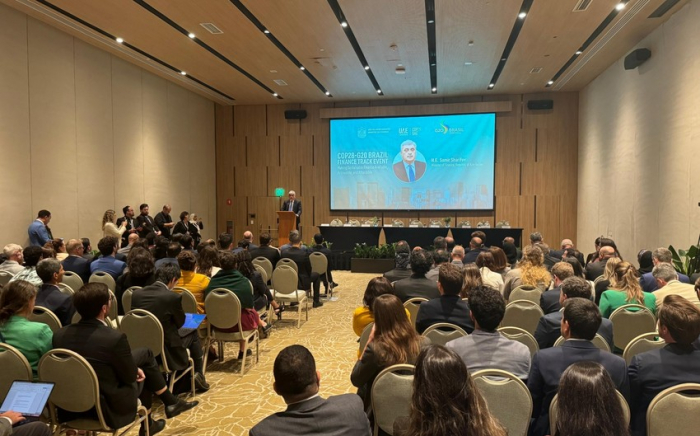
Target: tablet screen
x,y
193,320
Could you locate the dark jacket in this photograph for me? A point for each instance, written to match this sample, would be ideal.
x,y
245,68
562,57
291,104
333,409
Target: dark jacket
x,y
416,286
78,265
301,258
549,300
270,253
447,308
50,297
549,330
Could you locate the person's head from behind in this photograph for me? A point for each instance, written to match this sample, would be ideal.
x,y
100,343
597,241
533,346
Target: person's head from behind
x,y
421,261
208,258
133,238
439,243
588,402
500,261
376,287
14,253
296,378
173,250
187,242
50,271
662,255
450,279
485,260
475,243
227,260
449,243
679,321
575,265
140,262
17,298
440,256
472,279
58,245
532,255
487,308
458,253
581,319
395,338
408,151
645,259
535,238
606,252
265,239
664,273
574,287
87,247
561,271
107,246
168,274
318,239
92,301
225,241
294,238
32,255
186,261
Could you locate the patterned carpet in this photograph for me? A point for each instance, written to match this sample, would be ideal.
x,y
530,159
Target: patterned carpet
x,y
234,404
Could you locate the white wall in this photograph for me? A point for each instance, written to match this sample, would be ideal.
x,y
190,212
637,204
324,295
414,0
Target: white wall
x,y
639,145
82,131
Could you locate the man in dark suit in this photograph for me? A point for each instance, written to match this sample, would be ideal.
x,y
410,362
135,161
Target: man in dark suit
x,y
549,327
417,285
326,278
301,258
579,325
297,381
475,246
50,271
409,169
449,307
166,305
265,250
164,221
402,260
559,254
130,224
146,226
549,300
248,236
293,205
118,368
660,255
676,363
595,269
75,262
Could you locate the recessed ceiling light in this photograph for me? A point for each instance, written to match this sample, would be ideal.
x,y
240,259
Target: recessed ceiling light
x,y
551,82
366,67
578,52
491,85
119,40
431,21
274,94
344,24
273,71
191,35
379,91
266,31
620,6
432,65
434,89
468,63
183,73
302,68
522,15
328,93
503,59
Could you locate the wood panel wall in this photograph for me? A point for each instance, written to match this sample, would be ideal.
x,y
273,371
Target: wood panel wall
x,y
258,150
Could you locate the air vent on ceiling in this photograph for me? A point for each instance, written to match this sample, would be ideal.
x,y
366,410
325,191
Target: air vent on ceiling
x,y
582,5
665,7
280,82
211,28
536,70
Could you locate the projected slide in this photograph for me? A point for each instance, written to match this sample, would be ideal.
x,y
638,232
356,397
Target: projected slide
x,y
441,162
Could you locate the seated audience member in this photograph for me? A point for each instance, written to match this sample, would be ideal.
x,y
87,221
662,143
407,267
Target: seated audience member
x,y
13,259
472,279
297,381
261,293
49,296
194,282
166,305
549,327
458,256
677,362
559,254
608,277
265,250
530,271
549,260
660,256
449,307
174,249
230,278
536,238
12,423
646,262
306,278
32,255
549,300
248,236
393,340
107,263
327,278
417,285
574,254
625,290
48,251
440,375
588,403
402,259
580,322
187,243
486,348
475,247
513,253
439,257
225,242
667,280
59,248
439,243
131,240
75,262
596,268
363,315
208,261
500,261
32,339
141,272
117,366
486,266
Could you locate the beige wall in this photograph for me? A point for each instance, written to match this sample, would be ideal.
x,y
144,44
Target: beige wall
x,y
639,145
82,131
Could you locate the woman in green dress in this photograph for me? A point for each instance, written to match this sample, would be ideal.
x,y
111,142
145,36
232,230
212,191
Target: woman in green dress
x,y
625,290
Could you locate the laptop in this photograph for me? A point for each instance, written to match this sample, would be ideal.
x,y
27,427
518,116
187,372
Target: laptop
x,y
26,397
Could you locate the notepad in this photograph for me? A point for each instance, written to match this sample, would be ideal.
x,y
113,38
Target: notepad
x,y
27,398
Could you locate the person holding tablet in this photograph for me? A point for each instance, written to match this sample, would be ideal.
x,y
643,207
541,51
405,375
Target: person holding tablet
x,y
25,400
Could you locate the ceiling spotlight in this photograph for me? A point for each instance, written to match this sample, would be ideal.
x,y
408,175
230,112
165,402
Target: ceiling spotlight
x,y
431,21
379,91
119,40
274,94
620,6
302,68
434,89
491,85
344,24
328,93
522,15
432,65
468,63
266,31
182,73
578,52
366,67
550,83
191,35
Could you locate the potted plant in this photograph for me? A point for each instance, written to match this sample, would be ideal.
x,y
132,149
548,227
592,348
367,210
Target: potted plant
x,y
686,261
447,220
372,258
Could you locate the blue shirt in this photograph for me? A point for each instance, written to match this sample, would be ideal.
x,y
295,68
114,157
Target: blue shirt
x,y
108,264
38,235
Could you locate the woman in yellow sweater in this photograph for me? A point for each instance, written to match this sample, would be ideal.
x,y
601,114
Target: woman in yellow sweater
x,y
363,315
191,280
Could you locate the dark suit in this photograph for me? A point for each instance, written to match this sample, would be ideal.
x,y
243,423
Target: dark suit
x,y
161,219
50,297
397,274
549,261
595,269
549,300
270,253
341,415
656,370
78,265
414,287
296,208
130,224
447,308
649,284
548,366
400,170
471,256
148,227
305,277
328,277
549,330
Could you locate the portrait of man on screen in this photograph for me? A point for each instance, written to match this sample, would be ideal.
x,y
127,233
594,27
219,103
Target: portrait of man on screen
x,y
409,169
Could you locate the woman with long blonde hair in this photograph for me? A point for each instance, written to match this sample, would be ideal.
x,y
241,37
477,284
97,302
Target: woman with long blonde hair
x,y
108,226
530,271
608,278
472,279
625,289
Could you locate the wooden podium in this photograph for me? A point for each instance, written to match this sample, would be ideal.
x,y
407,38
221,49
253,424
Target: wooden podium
x,y
288,222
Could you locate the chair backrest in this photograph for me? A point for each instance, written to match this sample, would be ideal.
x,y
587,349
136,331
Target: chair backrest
x,y
143,329
113,309
630,321
642,343
554,411
263,272
5,277
126,298
525,314
14,367
336,223
598,280
525,292
189,302
673,413
223,309
288,262
73,280
103,277
265,263
391,396
45,316
412,305
284,279
66,289
443,332
522,336
364,337
508,399
598,341
319,263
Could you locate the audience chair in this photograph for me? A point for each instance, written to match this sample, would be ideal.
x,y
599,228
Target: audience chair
x,y
412,305
5,277
673,412
598,280
45,316
630,321
365,336
391,396
143,329
336,223
113,314
287,262
508,399
319,264
103,277
525,314
73,280
642,343
522,336
443,332
284,284
126,298
66,289
189,302
262,272
554,411
14,367
525,292
262,311
223,314
598,341
77,390
265,264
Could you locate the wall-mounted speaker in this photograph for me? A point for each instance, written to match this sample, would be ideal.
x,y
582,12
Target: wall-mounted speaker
x,y
540,105
295,114
637,58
